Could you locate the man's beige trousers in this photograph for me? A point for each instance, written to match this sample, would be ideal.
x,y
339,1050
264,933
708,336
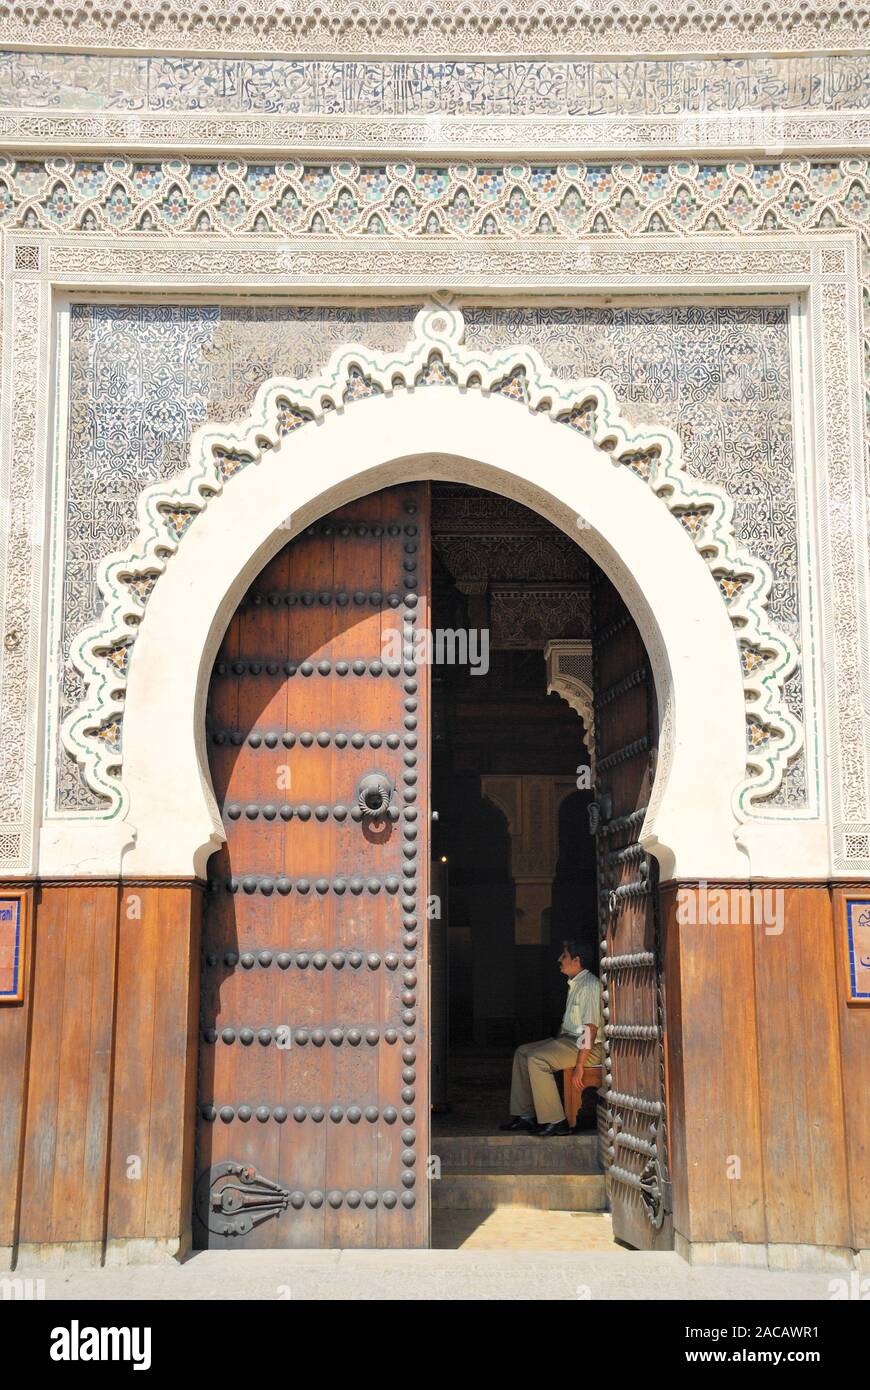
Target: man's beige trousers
x,y
533,1084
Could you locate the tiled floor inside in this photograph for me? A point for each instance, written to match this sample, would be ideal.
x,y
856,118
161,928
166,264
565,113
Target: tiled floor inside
x,y
522,1228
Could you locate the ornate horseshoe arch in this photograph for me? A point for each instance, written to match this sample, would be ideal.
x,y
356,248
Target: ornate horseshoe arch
x,y
438,410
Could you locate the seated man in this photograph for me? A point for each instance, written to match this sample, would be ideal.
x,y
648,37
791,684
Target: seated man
x,y
536,1104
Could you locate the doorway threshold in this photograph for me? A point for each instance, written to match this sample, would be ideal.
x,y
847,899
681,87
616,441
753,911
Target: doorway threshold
x,y
523,1229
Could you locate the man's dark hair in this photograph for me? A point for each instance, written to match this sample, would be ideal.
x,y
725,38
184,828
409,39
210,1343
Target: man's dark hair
x,y
573,948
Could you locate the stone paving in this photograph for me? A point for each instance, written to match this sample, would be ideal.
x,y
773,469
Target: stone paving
x,y
514,1253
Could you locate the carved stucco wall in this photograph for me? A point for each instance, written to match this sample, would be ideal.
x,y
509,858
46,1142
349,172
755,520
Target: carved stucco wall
x,y
727,123
143,376
395,27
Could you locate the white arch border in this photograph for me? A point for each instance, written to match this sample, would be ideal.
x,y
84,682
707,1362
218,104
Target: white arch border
x,y
440,435
437,411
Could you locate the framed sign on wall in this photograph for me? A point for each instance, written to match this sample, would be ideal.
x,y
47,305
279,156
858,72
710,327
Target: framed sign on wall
x,y
13,911
857,933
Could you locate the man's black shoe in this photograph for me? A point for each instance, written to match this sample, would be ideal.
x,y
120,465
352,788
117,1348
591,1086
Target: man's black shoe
x,y
557,1128
522,1123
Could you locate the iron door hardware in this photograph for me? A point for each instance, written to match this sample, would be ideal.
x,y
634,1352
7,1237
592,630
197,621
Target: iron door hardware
x,y
374,794
233,1198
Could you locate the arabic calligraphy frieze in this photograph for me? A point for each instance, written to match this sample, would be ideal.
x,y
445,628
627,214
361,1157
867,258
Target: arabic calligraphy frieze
x,y
103,82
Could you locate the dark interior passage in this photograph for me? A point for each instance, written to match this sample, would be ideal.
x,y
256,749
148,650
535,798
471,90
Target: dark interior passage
x,y
511,835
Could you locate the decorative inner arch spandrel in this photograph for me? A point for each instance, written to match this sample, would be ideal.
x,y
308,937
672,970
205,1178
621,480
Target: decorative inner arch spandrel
x,y
435,358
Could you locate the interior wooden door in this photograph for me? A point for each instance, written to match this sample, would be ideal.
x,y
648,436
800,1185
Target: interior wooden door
x,y
313,1105
631,961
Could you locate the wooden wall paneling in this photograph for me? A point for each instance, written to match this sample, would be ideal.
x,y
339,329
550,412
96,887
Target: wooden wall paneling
x,y
43,1070
71,1036
136,1052
66,1128
803,1123
719,1078
704,1058
155,1050
40,1143
191,1064
719,1082
14,1066
739,1123
83,1034
675,1061
854,1030
169,1163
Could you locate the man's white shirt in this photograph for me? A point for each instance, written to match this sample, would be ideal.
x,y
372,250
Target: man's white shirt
x,y
582,1008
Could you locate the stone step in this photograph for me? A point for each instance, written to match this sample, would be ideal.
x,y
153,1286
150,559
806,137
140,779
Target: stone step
x,y
516,1154
543,1191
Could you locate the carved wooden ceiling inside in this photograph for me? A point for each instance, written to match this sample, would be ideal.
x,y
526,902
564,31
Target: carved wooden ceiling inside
x,y
525,580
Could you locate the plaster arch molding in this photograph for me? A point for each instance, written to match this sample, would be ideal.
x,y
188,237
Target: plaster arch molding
x,y
435,411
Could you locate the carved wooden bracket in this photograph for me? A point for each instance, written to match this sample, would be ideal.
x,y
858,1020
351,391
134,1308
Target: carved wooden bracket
x,y
569,674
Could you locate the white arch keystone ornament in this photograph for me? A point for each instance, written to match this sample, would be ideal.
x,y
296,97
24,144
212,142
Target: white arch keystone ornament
x,y
434,410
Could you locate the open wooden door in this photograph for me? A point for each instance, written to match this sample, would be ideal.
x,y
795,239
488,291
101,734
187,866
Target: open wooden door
x,y
313,1105
631,960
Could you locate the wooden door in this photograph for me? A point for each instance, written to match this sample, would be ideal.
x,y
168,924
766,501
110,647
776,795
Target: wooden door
x,y
313,1106
631,962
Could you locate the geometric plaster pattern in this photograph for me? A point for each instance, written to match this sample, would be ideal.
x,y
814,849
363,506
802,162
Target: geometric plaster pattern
x,y
554,200
435,358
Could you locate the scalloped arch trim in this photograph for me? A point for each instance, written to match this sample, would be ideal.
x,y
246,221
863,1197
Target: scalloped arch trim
x,y
434,358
